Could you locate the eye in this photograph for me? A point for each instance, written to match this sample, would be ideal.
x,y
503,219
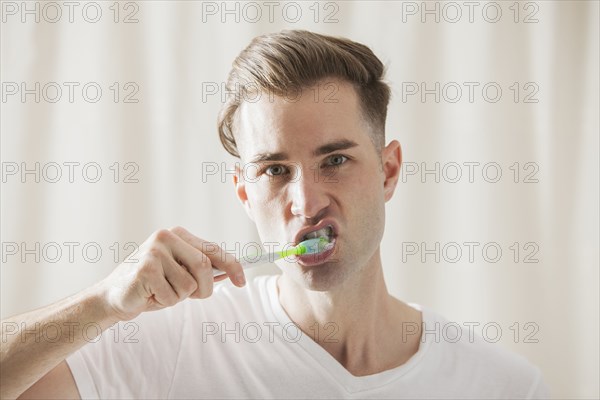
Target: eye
x,y
275,170
337,159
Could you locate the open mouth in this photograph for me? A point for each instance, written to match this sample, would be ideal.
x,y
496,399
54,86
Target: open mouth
x,y
328,232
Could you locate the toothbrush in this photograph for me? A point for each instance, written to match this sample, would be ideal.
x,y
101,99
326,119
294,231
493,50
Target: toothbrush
x,y
310,246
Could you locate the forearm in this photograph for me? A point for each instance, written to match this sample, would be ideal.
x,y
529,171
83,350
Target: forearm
x,y
171,267
35,342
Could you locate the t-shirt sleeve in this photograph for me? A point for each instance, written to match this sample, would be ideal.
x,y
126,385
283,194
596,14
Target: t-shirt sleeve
x,y
132,359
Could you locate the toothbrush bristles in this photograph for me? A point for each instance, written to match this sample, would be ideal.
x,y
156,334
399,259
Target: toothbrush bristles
x,y
316,245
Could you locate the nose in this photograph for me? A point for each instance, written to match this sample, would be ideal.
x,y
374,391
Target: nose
x,y
309,197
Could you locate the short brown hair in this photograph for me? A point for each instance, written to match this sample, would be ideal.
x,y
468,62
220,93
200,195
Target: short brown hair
x,y
276,62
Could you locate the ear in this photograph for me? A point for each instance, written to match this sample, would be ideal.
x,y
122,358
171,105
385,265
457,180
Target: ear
x,y
240,190
391,158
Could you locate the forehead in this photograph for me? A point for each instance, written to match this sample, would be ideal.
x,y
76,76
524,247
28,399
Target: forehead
x,y
322,113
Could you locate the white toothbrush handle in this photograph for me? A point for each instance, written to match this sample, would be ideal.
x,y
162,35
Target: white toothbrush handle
x,y
249,262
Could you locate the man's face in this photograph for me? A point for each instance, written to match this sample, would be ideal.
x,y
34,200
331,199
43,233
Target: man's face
x,y
310,164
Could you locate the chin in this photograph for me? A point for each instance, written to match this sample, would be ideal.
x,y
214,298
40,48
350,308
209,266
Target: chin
x,y
320,278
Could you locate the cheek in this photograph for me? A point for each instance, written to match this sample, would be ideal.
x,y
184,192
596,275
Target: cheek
x,y
366,186
366,199
266,206
265,196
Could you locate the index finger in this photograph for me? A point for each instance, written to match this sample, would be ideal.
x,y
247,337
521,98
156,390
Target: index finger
x,y
218,257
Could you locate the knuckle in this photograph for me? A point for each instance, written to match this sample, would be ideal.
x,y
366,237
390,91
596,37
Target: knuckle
x,y
154,254
162,235
171,301
190,286
236,267
178,230
197,294
211,248
201,262
145,273
151,266
207,292
233,269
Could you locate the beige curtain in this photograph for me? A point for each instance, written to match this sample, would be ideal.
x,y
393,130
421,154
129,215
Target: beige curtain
x,y
108,133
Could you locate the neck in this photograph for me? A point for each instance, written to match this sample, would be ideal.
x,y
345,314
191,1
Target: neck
x,y
357,321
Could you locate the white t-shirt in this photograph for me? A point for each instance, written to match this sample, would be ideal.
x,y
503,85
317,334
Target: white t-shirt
x,y
240,343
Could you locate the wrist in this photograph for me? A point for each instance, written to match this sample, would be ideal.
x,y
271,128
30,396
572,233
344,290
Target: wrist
x,y
96,299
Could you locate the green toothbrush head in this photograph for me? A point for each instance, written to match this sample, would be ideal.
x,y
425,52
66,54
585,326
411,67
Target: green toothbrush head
x,y
310,246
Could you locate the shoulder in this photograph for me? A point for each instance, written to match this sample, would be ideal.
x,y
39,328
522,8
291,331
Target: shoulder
x,y
477,360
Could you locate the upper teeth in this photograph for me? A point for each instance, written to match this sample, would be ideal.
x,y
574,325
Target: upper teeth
x,y
324,232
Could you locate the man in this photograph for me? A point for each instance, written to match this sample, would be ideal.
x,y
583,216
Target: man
x,y
308,120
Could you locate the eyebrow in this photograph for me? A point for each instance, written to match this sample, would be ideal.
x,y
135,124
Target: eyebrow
x,y
337,145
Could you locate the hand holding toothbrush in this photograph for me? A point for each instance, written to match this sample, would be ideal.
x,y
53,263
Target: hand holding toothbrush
x,y
170,266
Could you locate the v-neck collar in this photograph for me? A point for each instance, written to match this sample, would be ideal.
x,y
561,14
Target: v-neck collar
x,y
352,384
